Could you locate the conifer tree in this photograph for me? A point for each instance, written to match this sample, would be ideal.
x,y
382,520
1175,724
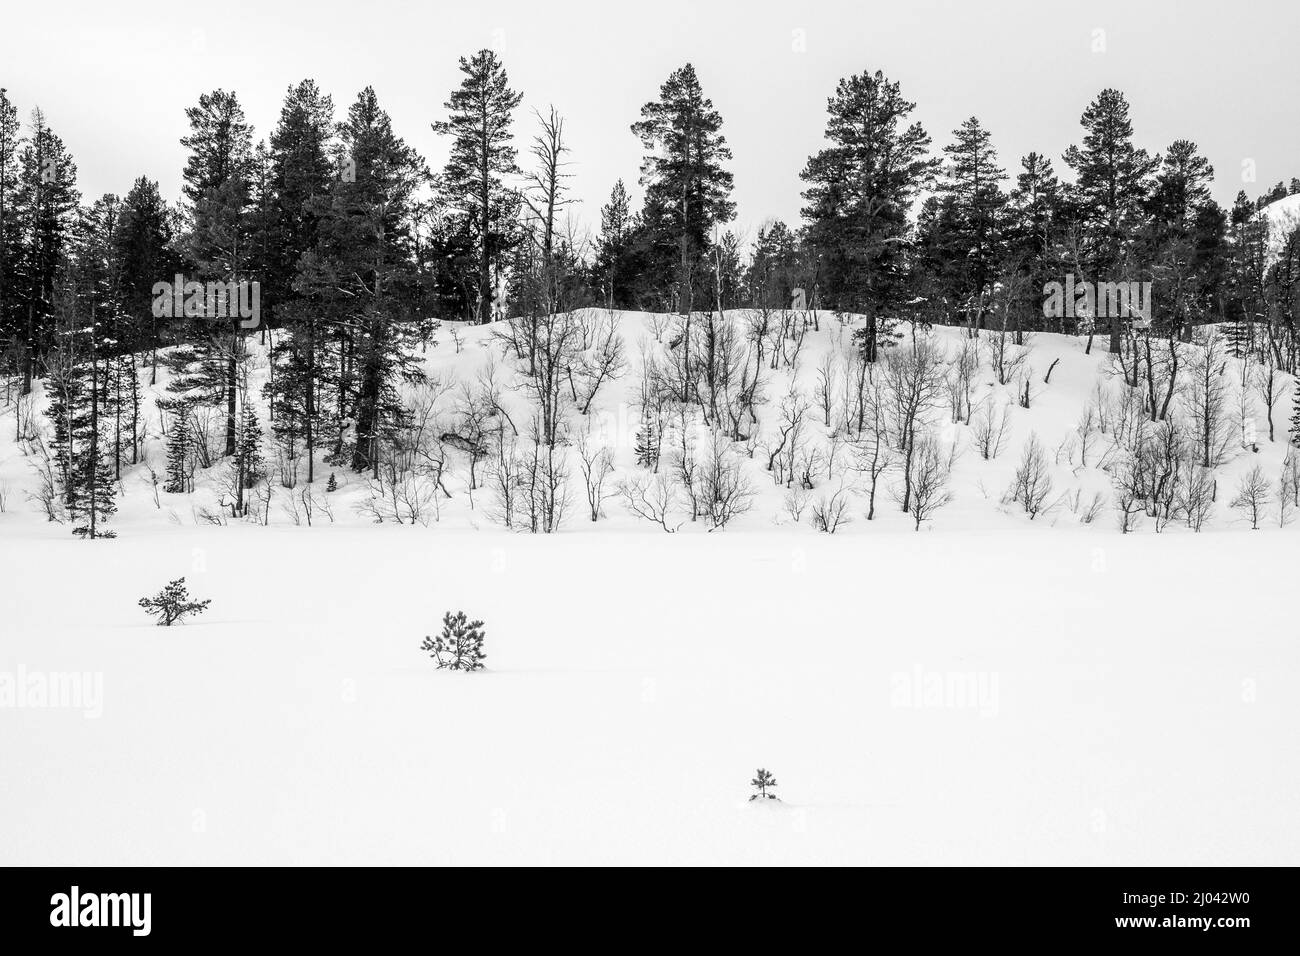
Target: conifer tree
x,y
46,202
180,458
172,604
687,188
972,181
648,441
763,781
460,645
1112,182
305,161
860,189
144,255
363,273
474,181
613,255
11,143
217,186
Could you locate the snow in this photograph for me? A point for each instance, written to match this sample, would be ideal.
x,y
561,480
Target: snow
x,y
989,690
1282,216
1131,711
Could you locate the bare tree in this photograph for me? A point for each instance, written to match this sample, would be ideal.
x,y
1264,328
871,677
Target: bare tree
x,y
1206,400
831,511
1032,483
875,454
725,491
596,464
930,474
915,379
827,382
990,426
1268,381
652,498
1253,496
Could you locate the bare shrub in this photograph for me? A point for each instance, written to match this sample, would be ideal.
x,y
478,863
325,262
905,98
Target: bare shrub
x,y
652,498
1032,483
1253,496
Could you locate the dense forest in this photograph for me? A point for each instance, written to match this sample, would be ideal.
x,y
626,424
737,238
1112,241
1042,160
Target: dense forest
x,y
359,252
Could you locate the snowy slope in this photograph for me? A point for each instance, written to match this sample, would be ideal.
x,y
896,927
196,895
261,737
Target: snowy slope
x,y
1282,216
461,353
989,690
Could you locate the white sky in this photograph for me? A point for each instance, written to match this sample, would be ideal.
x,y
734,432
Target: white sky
x,y
114,78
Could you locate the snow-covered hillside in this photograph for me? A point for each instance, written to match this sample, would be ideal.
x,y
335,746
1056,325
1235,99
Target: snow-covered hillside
x,y
463,357
1282,216
991,689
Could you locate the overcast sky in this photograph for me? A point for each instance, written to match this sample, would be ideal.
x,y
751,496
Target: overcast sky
x,y
114,78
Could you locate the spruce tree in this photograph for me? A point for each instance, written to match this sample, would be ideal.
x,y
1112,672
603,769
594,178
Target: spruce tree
x,y
180,461
648,441
481,160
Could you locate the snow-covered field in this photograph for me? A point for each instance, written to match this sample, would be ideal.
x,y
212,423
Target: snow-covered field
x,y
988,690
1011,697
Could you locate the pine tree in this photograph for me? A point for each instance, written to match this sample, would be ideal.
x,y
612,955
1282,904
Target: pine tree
x,y
217,185
11,143
172,604
972,181
860,190
1185,238
46,204
775,269
363,275
687,188
762,782
305,161
613,252
301,168
460,645
1112,182
481,111
143,255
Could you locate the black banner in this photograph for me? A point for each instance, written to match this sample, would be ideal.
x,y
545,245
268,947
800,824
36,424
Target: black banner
x,y
1170,908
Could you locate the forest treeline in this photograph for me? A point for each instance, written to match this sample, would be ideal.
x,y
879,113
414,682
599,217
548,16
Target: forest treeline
x,y
359,249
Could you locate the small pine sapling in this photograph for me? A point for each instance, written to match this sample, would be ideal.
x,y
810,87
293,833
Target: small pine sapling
x,y
762,782
173,603
332,484
460,645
